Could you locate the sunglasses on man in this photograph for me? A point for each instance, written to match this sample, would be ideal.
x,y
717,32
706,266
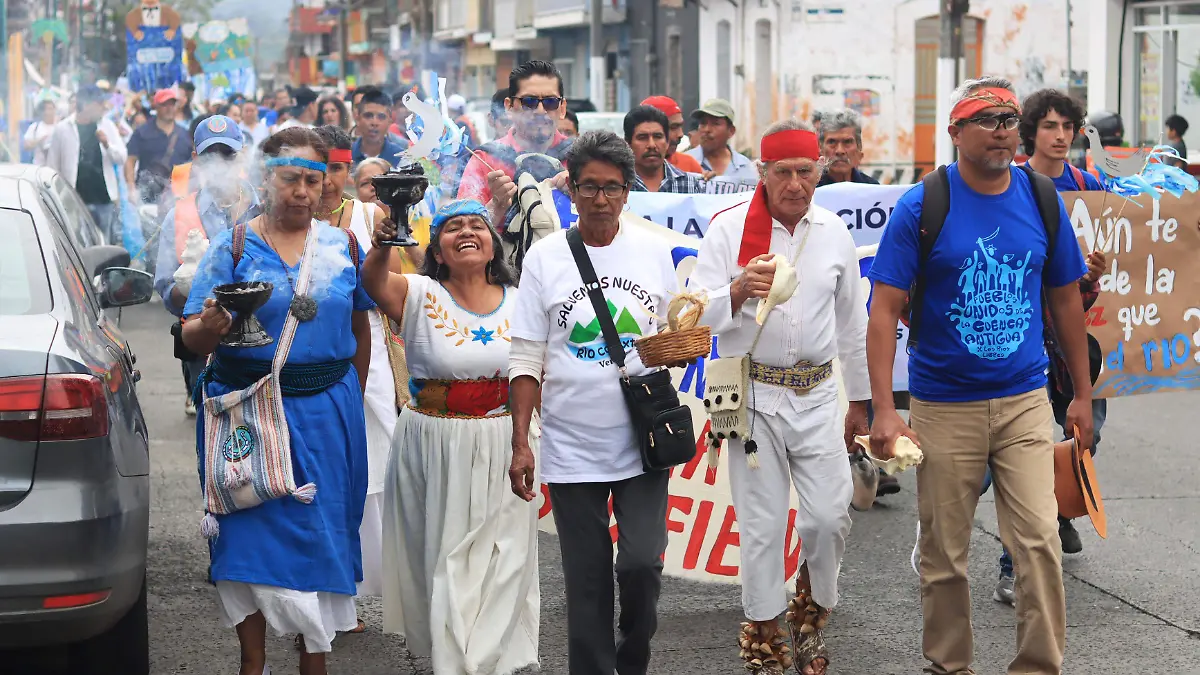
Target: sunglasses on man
x,y
549,103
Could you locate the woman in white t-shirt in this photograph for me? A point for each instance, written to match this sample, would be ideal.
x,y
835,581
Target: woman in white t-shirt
x,y
588,448
460,550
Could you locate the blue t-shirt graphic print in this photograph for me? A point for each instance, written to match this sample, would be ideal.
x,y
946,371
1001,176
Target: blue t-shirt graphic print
x,y
993,311
981,320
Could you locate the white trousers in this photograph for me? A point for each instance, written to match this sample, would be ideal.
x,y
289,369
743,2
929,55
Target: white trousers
x,y
807,448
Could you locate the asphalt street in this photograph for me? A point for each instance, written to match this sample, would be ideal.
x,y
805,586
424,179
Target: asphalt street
x,y
1132,599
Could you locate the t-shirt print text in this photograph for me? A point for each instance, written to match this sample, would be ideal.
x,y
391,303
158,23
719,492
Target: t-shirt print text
x,y
993,310
586,341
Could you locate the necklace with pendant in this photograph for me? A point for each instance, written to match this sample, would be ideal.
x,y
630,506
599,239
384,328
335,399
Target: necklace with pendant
x,y
303,307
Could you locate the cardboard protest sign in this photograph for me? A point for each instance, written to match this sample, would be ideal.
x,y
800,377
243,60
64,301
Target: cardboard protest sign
x,y
1147,318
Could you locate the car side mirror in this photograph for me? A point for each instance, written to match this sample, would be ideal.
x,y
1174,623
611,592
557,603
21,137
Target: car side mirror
x,y
99,258
122,287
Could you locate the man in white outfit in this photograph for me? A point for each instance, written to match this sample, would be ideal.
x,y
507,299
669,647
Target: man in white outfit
x,y
795,433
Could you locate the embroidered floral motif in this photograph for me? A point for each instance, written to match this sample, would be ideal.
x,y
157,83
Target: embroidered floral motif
x,y
463,332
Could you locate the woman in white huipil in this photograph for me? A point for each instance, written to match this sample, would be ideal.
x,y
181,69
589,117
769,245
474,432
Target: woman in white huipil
x,y
460,549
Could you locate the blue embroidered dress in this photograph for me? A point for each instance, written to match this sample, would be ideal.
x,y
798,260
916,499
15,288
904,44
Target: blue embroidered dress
x,y
311,549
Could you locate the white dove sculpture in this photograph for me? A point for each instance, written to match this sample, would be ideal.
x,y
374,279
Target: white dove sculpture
x,y
1117,167
432,126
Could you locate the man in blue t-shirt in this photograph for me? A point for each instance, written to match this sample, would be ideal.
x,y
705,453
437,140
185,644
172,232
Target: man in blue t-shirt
x,y
977,375
1049,122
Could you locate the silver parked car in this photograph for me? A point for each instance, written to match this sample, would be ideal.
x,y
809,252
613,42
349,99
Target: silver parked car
x,y
74,451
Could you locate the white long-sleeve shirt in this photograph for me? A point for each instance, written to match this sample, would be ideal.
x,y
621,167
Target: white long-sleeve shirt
x,y
825,317
63,155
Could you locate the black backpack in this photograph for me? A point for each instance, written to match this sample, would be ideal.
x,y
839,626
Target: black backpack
x,y
935,206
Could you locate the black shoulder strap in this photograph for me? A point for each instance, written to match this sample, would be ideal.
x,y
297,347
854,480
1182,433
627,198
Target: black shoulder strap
x,y
596,295
935,206
239,242
1048,200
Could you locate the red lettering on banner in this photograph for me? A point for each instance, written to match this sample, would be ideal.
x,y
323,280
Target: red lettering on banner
x,y
689,469
696,541
676,502
791,557
682,503
545,510
725,538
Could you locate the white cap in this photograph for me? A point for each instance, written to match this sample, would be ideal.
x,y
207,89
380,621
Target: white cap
x,y
456,102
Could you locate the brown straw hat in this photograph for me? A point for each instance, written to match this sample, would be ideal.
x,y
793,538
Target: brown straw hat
x,y
1076,486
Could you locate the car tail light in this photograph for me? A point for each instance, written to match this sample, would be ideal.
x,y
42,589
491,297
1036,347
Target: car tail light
x,y
53,408
69,601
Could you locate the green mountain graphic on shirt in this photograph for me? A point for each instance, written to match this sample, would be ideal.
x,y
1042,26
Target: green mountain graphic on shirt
x,y
624,321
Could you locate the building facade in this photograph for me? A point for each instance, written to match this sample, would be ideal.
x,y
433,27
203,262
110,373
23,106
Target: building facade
x,y
1146,57
879,57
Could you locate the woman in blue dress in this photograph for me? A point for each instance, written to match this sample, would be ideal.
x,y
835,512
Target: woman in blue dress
x,y
286,564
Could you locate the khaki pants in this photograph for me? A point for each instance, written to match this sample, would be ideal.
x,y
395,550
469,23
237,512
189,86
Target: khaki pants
x,y
1015,436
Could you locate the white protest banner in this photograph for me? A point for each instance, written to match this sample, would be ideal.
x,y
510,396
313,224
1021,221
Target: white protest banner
x,y
864,208
702,538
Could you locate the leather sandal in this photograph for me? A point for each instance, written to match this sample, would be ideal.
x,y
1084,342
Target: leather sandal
x,y
763,648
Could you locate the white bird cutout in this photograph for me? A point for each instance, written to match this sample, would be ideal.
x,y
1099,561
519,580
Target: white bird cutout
x,y
1116,167
432,126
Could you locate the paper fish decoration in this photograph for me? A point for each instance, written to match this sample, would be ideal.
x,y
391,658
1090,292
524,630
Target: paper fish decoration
x,y
1157,177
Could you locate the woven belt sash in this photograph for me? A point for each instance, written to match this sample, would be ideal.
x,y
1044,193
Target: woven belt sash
x,y
461,399
801,378
296,379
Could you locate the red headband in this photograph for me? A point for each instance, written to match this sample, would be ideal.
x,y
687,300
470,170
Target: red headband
x,y
341,155
792,144
982,99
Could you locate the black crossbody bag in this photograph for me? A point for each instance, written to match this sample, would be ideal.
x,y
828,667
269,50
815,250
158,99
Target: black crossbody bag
x,y
663,426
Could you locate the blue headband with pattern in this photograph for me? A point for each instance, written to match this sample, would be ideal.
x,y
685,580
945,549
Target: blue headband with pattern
x,y
459,207
296,161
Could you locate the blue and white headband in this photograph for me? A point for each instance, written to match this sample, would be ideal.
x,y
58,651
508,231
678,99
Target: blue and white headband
x,y
296,161
459,207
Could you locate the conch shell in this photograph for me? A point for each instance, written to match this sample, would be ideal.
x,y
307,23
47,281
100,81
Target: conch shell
x,y
782,287
905,453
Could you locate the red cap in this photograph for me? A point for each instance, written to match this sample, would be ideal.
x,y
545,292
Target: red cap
x,y
163,95
666,104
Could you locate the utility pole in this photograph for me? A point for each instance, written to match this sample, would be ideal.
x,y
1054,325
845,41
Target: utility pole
x,y
597,88
9,108
343,37
1070,75
949,70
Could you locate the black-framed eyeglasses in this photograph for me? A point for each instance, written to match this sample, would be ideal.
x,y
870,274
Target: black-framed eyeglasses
x,y
993,122
547,102
590,190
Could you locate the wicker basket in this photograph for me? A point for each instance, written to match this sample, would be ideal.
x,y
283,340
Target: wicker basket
x,y
672,347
